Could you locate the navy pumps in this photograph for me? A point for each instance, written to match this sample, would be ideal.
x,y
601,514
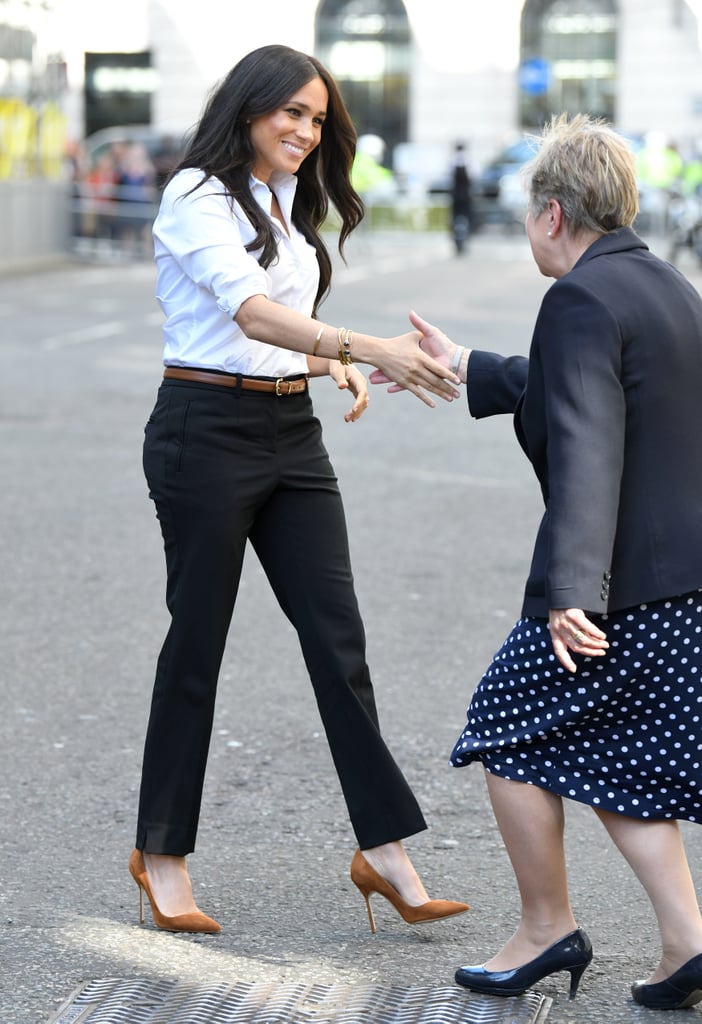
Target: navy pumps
x,y
572,953
680,990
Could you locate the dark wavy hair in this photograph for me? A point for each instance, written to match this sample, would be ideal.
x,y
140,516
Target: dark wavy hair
x,y
221,146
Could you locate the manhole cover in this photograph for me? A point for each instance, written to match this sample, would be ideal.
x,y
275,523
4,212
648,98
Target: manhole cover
x,y
120,1001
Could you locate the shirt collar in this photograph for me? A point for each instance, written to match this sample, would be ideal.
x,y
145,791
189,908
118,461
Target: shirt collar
x,y
284,185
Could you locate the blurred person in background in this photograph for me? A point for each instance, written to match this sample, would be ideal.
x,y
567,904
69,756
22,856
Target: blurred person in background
x,y
135,193
461,208
659,167
97,191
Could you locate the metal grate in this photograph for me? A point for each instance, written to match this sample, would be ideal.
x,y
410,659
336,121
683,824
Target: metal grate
x,y
119,1001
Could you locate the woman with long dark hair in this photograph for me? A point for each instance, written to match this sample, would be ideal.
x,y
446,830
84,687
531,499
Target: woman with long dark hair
x,y
233,453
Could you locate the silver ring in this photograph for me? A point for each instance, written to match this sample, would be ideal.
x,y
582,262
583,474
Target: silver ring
x,y
578,636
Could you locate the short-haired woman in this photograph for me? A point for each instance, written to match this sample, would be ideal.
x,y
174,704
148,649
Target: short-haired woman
x,y
596,694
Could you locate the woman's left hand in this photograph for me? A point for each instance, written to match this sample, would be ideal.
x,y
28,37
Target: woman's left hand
x,y
572,630
350,377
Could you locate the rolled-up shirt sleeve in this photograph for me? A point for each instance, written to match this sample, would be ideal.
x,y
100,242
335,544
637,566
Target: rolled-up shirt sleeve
x,y
202,234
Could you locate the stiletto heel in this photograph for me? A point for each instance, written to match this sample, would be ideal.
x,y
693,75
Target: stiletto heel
x,y
680,990
367,881
576,974
195,922
572,953
371,919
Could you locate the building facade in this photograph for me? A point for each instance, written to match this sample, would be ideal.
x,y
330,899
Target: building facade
x,y
412,71
411,74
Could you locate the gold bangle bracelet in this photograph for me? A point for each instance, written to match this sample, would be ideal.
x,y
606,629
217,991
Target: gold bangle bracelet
x,y
317,340
347,348
344,336
340,338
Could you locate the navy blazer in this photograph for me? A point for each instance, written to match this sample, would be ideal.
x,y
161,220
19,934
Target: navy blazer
x,y
608,409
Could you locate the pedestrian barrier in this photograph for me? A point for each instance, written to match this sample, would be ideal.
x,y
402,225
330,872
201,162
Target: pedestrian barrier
x,y
108,220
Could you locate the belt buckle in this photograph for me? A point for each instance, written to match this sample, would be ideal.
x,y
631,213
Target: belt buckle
x,y
279,381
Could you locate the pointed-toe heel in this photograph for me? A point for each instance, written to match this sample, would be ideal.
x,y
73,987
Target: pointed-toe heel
x,y
367,881
572,953
194,922
680,990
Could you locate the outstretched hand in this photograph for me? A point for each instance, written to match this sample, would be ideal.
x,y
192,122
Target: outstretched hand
x,y
433,342
404,363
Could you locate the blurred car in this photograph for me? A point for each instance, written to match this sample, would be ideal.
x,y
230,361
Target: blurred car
x,y
504,164
497,181
486,184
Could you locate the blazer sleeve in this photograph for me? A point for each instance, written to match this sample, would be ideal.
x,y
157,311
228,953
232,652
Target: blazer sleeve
x,y
580,354
494,383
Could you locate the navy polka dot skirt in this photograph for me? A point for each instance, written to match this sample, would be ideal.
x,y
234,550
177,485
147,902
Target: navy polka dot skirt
x,y
622,734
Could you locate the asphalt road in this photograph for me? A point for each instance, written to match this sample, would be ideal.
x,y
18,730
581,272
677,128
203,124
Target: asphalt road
x,y
441,513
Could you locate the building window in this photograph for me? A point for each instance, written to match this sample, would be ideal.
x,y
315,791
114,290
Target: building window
x,y
366,46
568,59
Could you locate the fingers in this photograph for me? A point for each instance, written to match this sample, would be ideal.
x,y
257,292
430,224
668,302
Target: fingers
x,y
447,382
428,367
563,655
378,377
360,404
581,644
584,636
421,325
437,379
427,384
357,409
421,396
442,388
590,646
406,365
571,630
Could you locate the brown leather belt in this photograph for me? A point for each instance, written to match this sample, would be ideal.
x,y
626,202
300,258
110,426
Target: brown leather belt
x,y
282,386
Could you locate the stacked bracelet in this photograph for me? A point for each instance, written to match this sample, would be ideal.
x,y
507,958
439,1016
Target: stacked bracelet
x,y
457,356
317,340
344,337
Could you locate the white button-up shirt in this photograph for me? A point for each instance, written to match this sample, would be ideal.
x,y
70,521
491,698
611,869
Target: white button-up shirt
x,y
204,274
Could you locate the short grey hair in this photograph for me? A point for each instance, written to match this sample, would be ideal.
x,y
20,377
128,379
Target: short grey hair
x,y
589,168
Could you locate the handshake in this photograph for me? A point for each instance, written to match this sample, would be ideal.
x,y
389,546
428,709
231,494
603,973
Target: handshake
x,y
430,341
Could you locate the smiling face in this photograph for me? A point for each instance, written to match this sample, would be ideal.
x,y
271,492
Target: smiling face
x,y
283,138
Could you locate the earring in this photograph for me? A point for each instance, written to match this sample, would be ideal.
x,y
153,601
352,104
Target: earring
x,y
549,234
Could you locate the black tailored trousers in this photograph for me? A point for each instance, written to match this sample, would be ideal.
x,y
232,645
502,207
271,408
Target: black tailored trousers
x,y
225,466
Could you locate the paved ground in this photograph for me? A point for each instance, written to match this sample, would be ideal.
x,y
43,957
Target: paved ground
x,y
441,514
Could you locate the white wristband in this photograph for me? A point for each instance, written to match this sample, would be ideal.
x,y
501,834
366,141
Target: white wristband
x,y
457,356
